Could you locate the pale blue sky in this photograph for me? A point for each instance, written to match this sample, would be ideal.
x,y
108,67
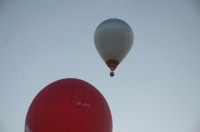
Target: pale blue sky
x,y
155,89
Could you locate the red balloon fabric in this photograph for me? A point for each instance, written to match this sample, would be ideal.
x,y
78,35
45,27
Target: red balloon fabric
x,y
69,105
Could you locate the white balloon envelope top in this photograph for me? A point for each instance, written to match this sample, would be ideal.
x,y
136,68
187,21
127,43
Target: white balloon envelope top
x,y
113,39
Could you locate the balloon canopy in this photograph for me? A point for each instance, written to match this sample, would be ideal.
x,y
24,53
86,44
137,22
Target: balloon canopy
x,y
113,39
69,105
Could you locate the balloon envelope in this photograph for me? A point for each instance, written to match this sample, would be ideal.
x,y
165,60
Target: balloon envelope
x,y
113,39
69,105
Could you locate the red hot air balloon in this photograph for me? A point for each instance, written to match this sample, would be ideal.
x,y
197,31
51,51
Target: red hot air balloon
x,y
113,39
69,105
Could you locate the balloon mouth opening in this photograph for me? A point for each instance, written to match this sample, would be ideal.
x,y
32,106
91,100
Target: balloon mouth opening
x,y
112,64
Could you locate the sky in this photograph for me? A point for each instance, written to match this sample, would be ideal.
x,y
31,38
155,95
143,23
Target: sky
x,y
155,89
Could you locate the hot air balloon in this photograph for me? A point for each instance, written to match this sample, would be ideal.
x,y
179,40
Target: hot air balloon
x,y
69,105
113,39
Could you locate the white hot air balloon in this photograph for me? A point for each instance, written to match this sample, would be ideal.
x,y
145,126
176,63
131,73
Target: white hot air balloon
x,y
113,39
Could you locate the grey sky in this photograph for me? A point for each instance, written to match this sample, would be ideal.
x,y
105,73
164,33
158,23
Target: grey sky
x,y
155,89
